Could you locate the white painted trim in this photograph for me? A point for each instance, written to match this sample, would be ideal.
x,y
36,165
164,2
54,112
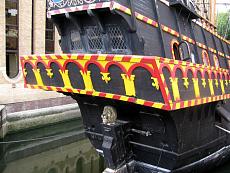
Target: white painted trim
x,y
153,167
13,80
165,2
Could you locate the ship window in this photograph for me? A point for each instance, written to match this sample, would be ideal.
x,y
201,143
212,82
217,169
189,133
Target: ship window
x,y
116,37
76,40
95,41
184,50
175,50
205,58
216,61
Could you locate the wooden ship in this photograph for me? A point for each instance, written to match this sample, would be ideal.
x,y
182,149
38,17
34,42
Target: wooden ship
x,y
151,78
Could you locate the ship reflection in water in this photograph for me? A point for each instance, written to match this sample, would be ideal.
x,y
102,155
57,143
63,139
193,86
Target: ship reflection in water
x,y
66,150
60,148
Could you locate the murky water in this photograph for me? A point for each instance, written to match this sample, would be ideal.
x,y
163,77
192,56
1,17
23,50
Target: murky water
x,y
60,148
66,151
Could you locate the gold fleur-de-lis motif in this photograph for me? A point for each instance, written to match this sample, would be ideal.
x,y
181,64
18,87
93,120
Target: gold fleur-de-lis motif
x,y
105,77
49,73
204,83
186,83
155,83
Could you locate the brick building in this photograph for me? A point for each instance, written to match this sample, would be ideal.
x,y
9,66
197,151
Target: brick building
x,y
24,29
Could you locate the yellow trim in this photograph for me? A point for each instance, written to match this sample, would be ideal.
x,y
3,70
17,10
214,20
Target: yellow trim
x,y
196,87
216,83
87,80
175,88
129,84
222,86
38,77
186,104
210,82
140,101
65,77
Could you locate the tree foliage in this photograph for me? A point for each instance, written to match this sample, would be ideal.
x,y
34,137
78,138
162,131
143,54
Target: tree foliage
x,y
223,24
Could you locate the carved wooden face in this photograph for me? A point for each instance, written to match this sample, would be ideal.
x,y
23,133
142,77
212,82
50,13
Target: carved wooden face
x,y
109,115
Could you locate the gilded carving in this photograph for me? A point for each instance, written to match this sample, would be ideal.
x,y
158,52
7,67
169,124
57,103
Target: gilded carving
x,y
105,77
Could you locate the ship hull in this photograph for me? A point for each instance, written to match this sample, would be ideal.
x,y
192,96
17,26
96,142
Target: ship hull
x,y
159,118
186,140
151,79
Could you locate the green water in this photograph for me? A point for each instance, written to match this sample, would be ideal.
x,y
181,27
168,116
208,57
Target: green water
x,y
61,148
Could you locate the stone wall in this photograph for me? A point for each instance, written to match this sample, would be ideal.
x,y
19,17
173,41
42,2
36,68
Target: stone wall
x,y
39,26
3,126
2,40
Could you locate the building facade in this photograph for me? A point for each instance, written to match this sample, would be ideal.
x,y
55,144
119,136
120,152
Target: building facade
x,y
24,29
207,9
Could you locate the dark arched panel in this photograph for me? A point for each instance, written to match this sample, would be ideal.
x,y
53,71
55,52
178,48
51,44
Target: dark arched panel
x,y
191,90
75,76
57,78
144,88
182,89
217,90
186,88
30,77
96,77
203,85
116,85
223,62
167,76
227,88
46,80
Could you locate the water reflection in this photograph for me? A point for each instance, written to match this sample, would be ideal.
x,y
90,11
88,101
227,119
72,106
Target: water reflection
x,y
68,151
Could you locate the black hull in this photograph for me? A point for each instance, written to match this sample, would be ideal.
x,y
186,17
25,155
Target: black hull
x,y
160,108
206,164
186,140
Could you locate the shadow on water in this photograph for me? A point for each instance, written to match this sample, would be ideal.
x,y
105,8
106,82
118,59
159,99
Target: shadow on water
x,y
61,148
